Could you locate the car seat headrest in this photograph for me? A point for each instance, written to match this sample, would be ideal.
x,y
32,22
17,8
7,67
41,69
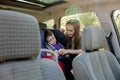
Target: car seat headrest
x,y
19,35
93,38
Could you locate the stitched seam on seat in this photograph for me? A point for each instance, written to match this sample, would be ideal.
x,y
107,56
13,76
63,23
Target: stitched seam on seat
x,y
100,63
92,67
96,53
106,64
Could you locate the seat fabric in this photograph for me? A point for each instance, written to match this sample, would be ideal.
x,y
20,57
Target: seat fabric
x,y
19,48
51,70
21,70
95,64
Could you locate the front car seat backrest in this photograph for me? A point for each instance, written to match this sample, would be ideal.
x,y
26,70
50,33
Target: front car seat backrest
x,y
95,64
19,44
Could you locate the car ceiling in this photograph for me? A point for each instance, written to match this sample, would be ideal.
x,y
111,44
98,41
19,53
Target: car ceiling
x,y
49,11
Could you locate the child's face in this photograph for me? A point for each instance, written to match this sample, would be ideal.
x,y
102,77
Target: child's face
x,y
51,39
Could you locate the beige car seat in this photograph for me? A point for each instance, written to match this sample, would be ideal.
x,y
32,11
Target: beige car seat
x,y
19,48
95,64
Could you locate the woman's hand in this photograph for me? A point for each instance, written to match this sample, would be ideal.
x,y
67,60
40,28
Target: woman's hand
x,y
62,51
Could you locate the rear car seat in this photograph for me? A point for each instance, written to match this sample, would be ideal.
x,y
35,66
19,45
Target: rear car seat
x,y
19,48
60,36
95,64
43,54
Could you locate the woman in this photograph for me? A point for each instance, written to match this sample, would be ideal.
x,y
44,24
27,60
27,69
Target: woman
x,y
73,44
73,38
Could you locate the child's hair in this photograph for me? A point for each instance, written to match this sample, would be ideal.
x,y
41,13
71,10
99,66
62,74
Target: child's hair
x,y
47,34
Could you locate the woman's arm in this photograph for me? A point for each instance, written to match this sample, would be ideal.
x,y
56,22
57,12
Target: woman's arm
x,y
65,51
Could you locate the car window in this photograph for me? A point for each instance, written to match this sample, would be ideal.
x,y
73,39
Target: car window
x,y
116,17
86,19
50,23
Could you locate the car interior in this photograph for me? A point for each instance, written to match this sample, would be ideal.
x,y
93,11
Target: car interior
x,y
22,43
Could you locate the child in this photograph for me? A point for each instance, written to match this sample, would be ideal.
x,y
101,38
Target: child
x,y
50,41
52,44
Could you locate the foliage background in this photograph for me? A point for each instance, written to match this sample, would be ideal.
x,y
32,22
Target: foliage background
x,y
86,19
74,12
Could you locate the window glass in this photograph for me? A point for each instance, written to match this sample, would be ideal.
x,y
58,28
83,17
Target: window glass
x,y
116,17
86,19
73,9
41,3
49,23
48,1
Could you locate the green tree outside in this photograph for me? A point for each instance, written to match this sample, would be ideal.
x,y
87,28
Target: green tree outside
x,y
73,12
48,1
89,19
116,16
86,19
